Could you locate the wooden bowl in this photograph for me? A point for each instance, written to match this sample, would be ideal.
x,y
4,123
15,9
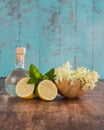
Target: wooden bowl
x,y
70,91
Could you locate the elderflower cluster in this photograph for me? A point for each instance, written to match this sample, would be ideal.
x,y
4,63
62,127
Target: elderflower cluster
x,y
63,72
87,77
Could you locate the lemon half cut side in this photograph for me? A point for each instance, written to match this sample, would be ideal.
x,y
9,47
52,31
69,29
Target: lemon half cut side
x,y
47,90
25,90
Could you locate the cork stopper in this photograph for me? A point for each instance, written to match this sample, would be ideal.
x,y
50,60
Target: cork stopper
x,y
20,55
20,50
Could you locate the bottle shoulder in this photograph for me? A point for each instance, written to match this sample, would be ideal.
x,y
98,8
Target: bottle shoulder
x,y
16,75
17,71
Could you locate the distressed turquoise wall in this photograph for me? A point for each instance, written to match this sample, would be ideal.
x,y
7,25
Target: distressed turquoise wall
x,y
52,31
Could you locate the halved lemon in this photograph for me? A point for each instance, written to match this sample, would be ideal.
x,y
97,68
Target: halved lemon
x,y
47,90
24,90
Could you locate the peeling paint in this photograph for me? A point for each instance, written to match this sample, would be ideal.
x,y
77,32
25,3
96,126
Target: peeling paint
x,y
63,1
53,20
57,52
13,7
0,55
28,46
53,31
3,45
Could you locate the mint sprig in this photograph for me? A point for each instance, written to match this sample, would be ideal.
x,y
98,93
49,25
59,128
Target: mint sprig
x,y
35,76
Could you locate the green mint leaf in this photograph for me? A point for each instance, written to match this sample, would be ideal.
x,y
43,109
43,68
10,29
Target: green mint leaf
x,y
52,78
32,81
34,72
50,75
45,77
50,72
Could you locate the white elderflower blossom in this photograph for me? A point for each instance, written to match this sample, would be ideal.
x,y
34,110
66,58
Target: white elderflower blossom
x,y
87,77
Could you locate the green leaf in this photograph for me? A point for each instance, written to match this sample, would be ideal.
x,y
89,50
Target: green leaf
x,y
32,81
45,77
50,74
34,72
52,78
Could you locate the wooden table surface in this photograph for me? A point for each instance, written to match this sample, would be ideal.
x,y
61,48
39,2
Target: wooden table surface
x,y
86,113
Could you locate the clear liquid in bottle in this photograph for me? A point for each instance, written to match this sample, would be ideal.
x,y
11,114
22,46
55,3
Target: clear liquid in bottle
x,y
18,73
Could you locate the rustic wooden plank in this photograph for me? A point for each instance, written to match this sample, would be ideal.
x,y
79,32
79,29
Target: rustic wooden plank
x,y
86,113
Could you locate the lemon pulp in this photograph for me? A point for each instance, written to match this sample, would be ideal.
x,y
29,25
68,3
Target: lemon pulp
x,y
47,90
24,90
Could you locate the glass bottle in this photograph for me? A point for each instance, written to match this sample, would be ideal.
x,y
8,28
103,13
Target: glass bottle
x,y
18,73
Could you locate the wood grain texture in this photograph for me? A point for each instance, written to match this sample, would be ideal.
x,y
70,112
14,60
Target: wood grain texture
x,y
86,113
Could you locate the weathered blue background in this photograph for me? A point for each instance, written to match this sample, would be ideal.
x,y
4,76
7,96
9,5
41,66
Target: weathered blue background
x,y
53,31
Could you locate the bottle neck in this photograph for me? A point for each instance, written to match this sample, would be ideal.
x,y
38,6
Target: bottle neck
x,y
20,61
